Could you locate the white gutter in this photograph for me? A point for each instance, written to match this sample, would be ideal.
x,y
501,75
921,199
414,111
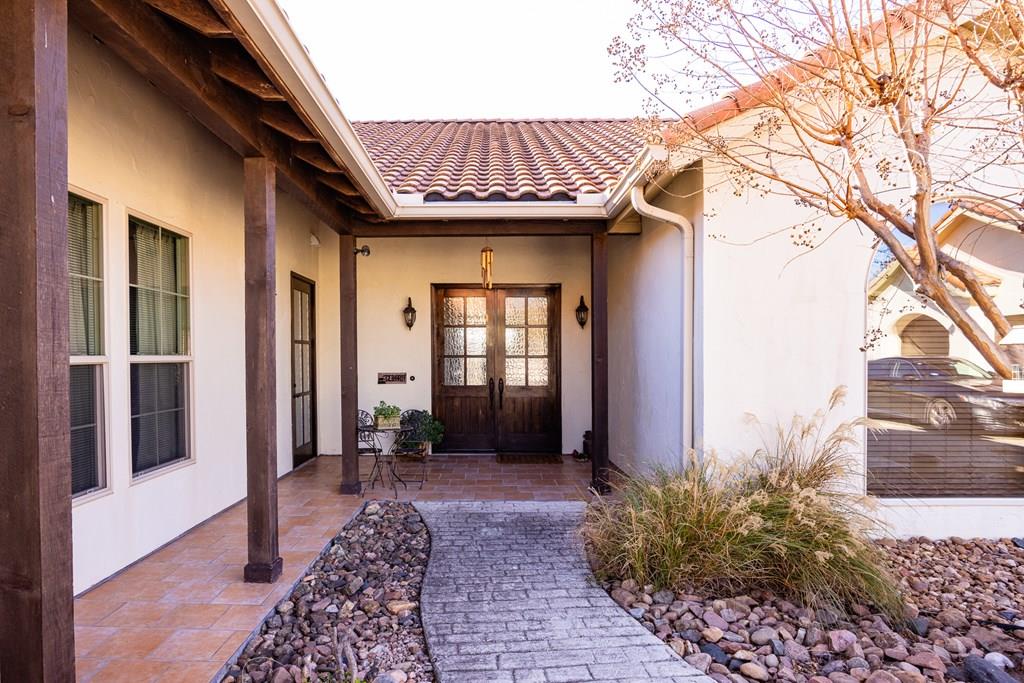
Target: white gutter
x,y
689,394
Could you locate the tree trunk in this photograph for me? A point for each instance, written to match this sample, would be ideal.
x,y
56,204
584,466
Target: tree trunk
x,y
992,352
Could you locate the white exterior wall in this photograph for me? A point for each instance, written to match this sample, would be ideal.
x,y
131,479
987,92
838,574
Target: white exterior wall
x,y
399,268
137,153
783,326
645,301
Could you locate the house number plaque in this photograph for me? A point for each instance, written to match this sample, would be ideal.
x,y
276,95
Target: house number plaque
x,y
391,378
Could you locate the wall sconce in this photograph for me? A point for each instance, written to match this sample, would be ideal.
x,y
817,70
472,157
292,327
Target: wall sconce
x,y
409,313
582,312
364,250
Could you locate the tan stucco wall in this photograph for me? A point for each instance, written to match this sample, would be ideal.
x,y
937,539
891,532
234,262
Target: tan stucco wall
x,y
136,152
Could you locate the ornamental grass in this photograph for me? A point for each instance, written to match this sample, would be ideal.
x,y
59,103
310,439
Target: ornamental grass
x,y
785,519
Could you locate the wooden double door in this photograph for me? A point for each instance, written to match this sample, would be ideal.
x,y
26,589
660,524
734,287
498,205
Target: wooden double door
x,y
496,368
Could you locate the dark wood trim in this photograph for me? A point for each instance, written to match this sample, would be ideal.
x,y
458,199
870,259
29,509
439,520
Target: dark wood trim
x,y
196,14
349,367
599,358
476,228
265,563
231,64
37,626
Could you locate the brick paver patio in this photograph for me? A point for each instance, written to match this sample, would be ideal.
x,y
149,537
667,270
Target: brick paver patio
x,y
508,597
180,613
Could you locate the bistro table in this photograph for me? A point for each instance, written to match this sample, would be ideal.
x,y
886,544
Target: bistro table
x,y
386,459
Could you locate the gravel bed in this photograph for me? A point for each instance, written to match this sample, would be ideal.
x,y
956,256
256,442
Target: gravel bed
x,y
965,612
358,601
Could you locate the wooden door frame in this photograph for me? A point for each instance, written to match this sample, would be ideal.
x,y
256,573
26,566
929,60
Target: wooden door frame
x,y
556,342
313,425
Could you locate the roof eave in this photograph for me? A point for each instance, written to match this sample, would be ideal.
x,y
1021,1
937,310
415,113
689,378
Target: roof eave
x,y
270,30
498,210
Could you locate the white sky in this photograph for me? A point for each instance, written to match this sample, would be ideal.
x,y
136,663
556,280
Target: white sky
x,y
388,59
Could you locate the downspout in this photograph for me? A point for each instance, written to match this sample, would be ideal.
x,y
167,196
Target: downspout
x,y
690,439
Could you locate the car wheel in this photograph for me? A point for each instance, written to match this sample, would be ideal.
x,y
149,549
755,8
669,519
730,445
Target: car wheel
x,y
940,414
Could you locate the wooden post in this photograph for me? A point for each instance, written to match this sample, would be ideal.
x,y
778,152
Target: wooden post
x,y
36,603
265,562
599,358
349,368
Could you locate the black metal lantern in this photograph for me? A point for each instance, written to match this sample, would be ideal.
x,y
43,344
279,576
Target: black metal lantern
x,y
582,312
410,314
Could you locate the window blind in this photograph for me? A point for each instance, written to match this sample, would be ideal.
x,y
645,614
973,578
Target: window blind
x,y
158,326
159,415
85,282
85,297
158,290
85,428
946,427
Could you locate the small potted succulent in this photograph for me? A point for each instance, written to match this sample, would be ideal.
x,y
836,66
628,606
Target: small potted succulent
x,y
387,416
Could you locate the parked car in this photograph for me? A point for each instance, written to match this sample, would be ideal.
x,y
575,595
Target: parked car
x,y
941,392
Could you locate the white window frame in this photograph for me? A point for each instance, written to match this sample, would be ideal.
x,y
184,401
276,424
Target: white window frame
x,y
187,360
103,360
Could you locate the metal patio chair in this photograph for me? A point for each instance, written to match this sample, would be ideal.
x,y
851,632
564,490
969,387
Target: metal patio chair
x,y
414,446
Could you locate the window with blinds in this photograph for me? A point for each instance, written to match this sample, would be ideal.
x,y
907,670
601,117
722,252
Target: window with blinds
x,y
159,345
85,301
943,424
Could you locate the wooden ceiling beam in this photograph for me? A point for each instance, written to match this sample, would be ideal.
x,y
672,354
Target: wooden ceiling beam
x,y
196,14
340,184
283,120
224,12
315,156
477,228
236,67
180,68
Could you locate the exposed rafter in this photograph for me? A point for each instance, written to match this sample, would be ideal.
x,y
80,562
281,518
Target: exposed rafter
x,y
196,14
181,65
234,66
315,156
283,119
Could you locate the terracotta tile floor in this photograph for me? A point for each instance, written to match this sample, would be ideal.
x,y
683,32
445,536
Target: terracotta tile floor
x,y
180,613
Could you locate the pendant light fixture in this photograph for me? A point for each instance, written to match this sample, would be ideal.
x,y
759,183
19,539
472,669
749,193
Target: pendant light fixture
x,y
486,263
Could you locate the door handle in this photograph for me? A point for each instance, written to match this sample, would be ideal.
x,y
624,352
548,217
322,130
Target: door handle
x,y
490,391
501,393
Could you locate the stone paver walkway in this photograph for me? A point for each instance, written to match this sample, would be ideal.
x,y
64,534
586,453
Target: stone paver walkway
x,y
508,597
182,612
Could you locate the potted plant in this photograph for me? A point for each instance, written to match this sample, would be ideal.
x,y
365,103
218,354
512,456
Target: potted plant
x,y
426,430
387,416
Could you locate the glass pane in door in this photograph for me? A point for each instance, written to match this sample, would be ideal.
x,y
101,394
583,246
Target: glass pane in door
x,y
465,341
526,341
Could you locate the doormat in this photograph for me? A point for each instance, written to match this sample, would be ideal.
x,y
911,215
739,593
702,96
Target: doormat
x,y
530,458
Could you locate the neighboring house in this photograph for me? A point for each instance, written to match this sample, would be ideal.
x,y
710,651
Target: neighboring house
x,y
900,323
225,322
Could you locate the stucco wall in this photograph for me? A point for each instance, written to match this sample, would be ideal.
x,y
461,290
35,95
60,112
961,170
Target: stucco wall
x,y
783,325
398,268
645,298
135,152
